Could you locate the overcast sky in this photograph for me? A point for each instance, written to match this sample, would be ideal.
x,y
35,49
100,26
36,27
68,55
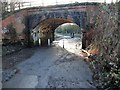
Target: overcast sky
x,y
53,2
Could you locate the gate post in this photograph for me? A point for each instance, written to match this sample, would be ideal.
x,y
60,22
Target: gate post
x,y
48,42
39,42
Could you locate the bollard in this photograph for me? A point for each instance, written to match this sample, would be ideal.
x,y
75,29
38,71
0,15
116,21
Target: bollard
x,y
48,42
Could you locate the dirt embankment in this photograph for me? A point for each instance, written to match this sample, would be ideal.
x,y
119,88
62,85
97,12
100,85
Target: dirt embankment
x,y
11,60
106,43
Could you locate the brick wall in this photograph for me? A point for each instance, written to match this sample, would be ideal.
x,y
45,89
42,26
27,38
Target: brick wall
x,y
16,21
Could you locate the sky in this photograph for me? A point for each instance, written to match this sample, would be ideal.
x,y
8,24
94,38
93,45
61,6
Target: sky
x,y
53,2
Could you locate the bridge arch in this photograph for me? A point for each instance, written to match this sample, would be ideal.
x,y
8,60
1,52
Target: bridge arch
x,y
76,15
46,29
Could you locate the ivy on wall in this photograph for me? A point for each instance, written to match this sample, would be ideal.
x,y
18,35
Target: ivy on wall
x,y
106,66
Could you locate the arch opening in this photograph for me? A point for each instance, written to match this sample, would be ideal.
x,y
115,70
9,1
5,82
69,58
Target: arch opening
x,y
68,33
49,28
68,29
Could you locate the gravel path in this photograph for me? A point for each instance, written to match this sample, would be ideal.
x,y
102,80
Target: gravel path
x,y
52,67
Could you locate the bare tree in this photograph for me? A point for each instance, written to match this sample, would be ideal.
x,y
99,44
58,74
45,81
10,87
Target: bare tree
x,y
3,5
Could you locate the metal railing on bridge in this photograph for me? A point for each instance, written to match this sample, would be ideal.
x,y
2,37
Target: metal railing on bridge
x,y
11,5
7,7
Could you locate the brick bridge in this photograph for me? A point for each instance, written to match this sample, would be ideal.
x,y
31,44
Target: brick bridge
x,y
47,19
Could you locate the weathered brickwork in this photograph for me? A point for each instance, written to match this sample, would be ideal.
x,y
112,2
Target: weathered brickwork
x,y
14,24
21,23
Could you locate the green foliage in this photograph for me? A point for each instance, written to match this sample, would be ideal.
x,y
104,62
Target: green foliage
x,y
108,72
10,36
68,29
106,66
12,32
